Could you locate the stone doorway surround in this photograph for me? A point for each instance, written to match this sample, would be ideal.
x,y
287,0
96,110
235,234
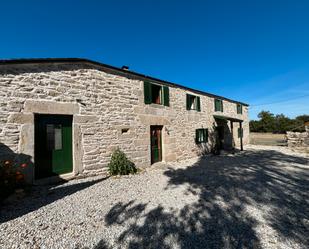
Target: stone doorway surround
x,y
25,118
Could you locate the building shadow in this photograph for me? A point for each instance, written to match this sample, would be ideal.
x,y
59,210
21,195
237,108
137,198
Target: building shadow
x,y
225,186
40,195
6,154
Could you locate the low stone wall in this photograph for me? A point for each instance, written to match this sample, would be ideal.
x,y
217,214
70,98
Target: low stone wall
x,y
298,140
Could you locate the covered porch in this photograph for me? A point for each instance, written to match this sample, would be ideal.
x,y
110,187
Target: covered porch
x,y
225,131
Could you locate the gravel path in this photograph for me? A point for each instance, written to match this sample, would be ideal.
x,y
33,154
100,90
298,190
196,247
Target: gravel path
x,y
254,199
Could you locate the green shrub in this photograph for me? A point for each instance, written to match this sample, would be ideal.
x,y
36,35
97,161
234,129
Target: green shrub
x,y
120,164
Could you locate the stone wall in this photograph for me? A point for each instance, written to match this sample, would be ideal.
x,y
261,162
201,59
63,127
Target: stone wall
x,y
298,140
102,103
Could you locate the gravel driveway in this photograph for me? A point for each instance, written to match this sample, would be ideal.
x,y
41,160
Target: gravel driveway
x,y
254,199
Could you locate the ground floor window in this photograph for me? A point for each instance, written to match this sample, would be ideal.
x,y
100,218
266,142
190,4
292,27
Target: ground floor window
x,y
201,136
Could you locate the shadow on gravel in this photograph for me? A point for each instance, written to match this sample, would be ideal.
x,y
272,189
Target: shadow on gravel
x,y
225,185
42,196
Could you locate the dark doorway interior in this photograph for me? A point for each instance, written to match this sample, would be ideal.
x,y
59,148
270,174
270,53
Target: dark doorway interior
x,y
156,94
220,132
156,143
53,145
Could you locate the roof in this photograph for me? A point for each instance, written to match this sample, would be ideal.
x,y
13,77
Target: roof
x,y
126,72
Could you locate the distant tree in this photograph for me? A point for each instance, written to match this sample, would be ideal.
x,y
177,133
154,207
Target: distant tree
x,y
268,122
299,122
282,124
255,126
302,118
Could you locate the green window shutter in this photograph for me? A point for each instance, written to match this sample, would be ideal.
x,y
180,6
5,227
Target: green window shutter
x,y
188,102
198,104
147,92
221,105
166,96
205,135
197,133
216,105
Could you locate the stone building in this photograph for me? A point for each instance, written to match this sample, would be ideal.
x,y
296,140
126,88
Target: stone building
x,y
66,116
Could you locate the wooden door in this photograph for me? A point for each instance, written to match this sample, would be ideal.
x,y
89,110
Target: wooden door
x,y
156,143
53,145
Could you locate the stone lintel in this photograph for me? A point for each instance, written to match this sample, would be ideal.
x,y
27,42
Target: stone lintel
x,y
51,107
21,118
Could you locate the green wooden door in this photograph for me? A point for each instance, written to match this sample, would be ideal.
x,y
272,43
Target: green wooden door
x,y
53,145
156,143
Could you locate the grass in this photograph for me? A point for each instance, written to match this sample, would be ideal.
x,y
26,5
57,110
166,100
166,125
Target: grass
x,y
267,139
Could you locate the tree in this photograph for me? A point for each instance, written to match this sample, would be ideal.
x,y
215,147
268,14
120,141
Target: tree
x,y
255,126
303,118
268,122
282,124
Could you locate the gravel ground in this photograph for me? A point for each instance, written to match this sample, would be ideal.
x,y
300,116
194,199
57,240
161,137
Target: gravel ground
x,y
254,199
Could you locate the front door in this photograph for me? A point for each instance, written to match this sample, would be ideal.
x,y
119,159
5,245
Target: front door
x,y
156,143
53,145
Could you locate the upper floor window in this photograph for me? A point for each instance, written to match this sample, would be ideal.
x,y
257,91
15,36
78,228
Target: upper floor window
x,y
239,109
218,105
156,94
193,102
201,136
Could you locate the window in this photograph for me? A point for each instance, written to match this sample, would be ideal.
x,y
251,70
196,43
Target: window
x,y
240,132
218,105
156,94
53,137
193,102
239,109
201,136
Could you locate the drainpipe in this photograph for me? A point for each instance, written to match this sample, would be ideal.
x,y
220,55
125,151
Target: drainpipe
x,y
241,135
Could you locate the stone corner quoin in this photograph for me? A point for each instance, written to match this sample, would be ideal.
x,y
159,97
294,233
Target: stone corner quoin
x,y
108,111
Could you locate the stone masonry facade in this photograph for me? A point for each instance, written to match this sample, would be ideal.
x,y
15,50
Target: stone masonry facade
x,y
103,102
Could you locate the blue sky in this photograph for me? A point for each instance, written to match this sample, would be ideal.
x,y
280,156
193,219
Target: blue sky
x,y
254,51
